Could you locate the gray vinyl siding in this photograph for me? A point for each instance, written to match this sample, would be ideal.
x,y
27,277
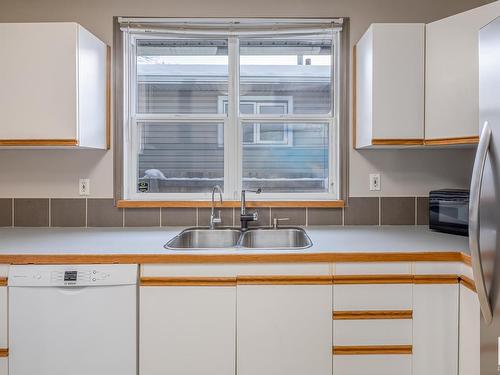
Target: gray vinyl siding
x,y
177,153
200,99
191,151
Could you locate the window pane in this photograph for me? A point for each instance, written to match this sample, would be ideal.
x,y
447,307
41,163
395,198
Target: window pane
x,y
181,75
180,157
272,133
248,133
288,67
247,108
300,166
273,109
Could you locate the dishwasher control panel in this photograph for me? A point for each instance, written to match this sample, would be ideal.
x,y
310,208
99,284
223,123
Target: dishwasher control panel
x,y
73,275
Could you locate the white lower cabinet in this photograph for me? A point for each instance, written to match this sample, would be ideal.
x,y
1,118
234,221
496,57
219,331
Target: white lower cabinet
x,y
4,366
3,318
413,326
187,330
284,330
435,329
469,333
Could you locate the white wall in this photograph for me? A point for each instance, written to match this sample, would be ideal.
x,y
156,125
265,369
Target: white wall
x,y
46,173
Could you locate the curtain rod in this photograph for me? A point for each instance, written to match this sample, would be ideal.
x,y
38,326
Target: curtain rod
x,y
230,21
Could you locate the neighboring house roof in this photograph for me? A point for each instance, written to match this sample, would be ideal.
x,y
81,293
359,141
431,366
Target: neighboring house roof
x,y
176,73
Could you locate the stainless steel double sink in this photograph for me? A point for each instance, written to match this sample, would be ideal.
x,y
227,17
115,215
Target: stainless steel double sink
x,y
255,238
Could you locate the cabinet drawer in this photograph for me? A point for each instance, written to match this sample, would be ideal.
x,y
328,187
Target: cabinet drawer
x,y
372,332
372,297
372,364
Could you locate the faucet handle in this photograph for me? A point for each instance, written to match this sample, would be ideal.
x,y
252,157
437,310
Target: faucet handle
x,y
276,221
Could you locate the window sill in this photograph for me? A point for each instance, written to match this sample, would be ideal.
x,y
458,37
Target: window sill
x,y
229,204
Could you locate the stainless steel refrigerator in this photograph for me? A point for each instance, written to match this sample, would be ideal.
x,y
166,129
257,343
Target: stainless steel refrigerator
x,y
484,207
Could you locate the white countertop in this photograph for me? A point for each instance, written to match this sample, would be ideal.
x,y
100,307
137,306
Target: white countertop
x,y
326,239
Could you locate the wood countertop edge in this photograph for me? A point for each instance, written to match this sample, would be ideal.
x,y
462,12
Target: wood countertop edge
x,y
332,257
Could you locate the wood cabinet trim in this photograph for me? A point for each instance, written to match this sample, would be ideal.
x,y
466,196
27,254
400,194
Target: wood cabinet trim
x,y
230,204
468,283
397,142
236,258
39,142
3,281
372,315
240,280
314,280
372,279
436,279
472,140
188,281
372,349
4,352
284,280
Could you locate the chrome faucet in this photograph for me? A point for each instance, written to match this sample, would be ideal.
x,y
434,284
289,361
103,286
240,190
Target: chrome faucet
x,y
215,219
244,216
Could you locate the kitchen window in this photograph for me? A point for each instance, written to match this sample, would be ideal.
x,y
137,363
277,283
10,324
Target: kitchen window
x,y
241,104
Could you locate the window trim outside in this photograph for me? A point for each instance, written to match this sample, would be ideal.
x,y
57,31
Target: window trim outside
x,y
259,101
232,123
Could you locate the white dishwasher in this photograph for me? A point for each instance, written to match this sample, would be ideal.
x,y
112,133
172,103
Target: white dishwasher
x,y
73,319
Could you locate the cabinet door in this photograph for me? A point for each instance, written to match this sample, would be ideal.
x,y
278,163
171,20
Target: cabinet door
x,y
469,331
187,330
4,366
3,318
452,74
38,71
435,329
284,329
390,85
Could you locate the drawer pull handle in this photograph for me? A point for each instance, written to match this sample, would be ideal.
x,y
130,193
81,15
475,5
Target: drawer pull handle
x,y
372,314
372,350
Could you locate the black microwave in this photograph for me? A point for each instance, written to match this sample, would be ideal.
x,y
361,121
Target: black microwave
x,y
449,211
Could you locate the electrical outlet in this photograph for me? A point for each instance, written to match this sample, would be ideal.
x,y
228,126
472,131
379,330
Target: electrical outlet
x,y
84,186
374,181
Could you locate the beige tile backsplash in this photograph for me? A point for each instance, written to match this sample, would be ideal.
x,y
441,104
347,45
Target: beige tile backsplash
x,y
94,212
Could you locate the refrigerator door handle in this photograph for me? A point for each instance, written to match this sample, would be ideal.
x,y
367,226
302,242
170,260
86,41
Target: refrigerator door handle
x,y
474,245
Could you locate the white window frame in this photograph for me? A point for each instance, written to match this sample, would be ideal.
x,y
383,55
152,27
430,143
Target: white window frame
x,y
232,124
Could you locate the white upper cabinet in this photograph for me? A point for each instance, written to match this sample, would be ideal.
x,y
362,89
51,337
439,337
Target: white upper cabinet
x,y
54,86
389,85
452,76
